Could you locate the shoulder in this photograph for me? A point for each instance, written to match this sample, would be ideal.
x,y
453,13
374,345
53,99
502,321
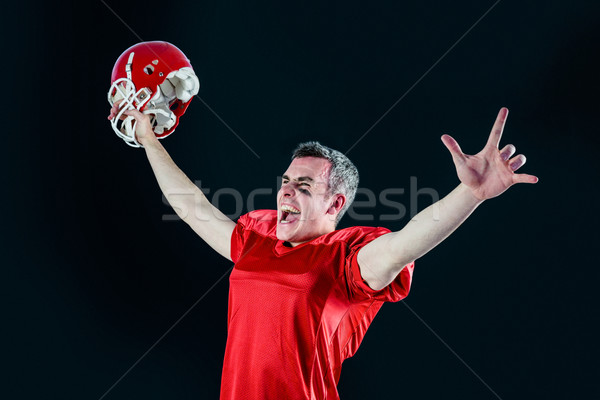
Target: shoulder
x,y
261,221
354,236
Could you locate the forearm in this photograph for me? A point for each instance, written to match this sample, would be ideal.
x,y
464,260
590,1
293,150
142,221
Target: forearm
x,y
188,201
432,225
382,260
488,174
179,190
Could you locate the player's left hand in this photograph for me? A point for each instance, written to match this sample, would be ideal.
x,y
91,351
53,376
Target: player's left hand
x,y
491,171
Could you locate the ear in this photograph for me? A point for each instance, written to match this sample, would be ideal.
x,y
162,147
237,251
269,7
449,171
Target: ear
x,y
337,202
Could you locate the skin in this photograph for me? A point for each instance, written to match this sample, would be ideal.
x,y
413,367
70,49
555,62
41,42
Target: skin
x,y
483,176
185,197
304,187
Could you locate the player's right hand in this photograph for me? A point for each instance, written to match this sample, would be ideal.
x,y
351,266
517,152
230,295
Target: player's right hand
x,y
143,130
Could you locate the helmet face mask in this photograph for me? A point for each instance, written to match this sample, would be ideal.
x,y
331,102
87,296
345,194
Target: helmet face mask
x,y
155,78
123,91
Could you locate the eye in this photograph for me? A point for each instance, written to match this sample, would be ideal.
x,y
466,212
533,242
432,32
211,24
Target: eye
x,y
303,186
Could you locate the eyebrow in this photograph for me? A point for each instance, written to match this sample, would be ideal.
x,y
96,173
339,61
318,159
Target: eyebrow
x,y
299,179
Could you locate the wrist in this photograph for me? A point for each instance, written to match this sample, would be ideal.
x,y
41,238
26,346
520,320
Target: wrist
x,y
468,195
148,140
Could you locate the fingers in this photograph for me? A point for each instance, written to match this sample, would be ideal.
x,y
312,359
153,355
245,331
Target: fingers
x,y
140,117
454,148
517,162
143,130
115,110
525,178
112,113
496,134
507,152
135,114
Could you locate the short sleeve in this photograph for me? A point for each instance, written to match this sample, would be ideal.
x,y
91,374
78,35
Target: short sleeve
x,y
360,290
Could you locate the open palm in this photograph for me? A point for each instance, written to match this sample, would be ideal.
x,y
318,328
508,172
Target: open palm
x,y
491,171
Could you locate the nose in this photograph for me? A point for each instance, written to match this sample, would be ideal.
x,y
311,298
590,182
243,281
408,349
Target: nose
x,y
287,189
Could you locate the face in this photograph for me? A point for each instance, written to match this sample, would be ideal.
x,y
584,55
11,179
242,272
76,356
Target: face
x,y
305,208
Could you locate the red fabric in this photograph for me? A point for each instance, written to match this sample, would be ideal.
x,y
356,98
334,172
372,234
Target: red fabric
x,y
295,314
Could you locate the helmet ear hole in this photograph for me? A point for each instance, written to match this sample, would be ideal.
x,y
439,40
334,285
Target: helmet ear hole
x,y
149,69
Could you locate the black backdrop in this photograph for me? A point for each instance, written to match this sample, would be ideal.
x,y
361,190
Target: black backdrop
x,y
94,275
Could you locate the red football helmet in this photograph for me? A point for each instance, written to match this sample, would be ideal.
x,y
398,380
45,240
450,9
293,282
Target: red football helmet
x,y
155,78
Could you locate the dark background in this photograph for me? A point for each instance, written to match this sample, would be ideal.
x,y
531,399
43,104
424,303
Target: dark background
x,y
93,276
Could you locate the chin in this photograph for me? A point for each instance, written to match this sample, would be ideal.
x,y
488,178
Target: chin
x,y
282,235
289,235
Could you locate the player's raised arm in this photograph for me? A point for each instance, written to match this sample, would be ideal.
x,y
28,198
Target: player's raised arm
x,y
185,197
152,84
484,175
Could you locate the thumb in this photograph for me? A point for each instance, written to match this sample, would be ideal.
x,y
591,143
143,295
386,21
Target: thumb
x,y
453,148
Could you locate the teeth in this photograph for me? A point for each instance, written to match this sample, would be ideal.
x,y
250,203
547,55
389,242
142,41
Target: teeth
x,y
290,209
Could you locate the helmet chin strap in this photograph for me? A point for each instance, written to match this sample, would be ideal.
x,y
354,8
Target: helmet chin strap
x,y
128,66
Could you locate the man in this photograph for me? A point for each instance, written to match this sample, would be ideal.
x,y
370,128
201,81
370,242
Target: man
x,y
302,294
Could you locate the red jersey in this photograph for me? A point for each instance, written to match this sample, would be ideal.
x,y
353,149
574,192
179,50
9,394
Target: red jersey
x,y
296,313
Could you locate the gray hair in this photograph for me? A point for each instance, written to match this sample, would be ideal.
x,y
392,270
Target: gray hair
x,y
343,176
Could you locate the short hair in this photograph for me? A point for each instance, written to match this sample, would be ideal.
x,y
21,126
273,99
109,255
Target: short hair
x,y
343,176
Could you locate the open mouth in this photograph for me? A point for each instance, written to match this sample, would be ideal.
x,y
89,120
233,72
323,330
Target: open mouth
x,y
289,214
